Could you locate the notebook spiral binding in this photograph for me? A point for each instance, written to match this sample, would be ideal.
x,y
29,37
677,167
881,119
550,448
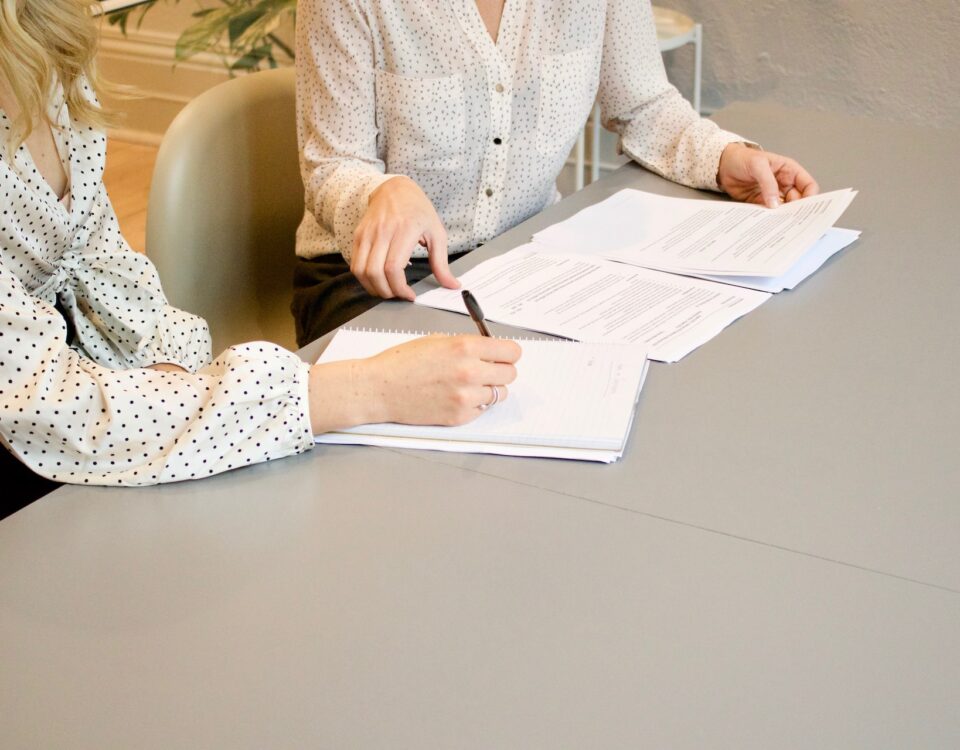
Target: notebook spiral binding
x,y
364,329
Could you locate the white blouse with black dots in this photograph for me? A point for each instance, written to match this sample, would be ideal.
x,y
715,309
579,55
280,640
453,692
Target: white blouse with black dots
x,y
74,405
418,87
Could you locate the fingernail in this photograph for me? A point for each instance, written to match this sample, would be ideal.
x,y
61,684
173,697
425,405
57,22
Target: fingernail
x,y
772,203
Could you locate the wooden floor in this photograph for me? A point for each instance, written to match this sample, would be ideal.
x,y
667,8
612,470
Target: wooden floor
x,y
127,177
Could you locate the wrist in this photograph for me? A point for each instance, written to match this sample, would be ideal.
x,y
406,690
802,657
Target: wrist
x,y
391,183
344,394
730,152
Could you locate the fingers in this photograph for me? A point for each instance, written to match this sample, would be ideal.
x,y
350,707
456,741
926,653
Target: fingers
x,y
470,403
380,264
398,215
490,395
499,350
437,251
481,360
795,182
379,260
805,183
374,273
472,362
363,240
496,373
762,172
442,379
763,177
358,255
476,384
488,349
395,265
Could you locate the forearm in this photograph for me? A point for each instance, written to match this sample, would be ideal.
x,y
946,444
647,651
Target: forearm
x,y
439,380
657,127
667,137
344,394
136,427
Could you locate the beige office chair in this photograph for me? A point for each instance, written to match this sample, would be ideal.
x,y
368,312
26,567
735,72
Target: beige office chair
x,y
224,206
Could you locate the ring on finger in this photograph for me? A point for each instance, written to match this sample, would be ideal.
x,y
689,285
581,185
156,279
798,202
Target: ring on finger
x,y
494,398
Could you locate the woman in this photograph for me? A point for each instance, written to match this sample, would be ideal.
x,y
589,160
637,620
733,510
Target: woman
x,y
101,381
431,127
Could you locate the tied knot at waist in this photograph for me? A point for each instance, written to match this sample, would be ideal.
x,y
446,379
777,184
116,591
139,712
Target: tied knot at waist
x,y
117,292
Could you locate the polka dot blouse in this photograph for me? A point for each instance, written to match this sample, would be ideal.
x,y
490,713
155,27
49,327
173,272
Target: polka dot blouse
x,y
81,313
418,87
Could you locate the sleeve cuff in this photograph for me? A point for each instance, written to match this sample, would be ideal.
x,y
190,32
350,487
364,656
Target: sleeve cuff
x,y
303,396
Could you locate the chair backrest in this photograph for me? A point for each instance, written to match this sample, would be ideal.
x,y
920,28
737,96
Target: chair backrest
x,y
224,206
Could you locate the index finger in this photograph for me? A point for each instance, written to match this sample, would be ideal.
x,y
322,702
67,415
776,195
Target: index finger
x,y
401,247
437,251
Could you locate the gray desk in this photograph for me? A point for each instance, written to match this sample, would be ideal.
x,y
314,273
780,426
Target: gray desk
x,y
794,584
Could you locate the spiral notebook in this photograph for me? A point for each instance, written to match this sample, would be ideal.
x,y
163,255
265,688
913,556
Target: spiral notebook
x,y
570,400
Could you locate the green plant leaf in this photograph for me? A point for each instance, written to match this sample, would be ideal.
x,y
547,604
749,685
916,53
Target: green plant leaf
x,y
241,22
202,35
242,32
283,47
121,18
252,60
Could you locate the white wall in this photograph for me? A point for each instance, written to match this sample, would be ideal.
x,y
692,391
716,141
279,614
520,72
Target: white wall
x,y
895,61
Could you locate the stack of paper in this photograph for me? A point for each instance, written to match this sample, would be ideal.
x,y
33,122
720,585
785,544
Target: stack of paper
x,y
569,400
620,271
768,249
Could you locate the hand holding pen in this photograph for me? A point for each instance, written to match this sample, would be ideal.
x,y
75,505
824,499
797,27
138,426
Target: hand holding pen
x,y
473,307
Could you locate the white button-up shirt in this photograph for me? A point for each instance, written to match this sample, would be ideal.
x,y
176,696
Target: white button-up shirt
x,y
419,88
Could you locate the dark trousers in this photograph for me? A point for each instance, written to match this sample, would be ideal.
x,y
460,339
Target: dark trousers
x,y
20,485
326,295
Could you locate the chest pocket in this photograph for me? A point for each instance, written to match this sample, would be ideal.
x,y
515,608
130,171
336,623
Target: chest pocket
x,y
568,86
422,122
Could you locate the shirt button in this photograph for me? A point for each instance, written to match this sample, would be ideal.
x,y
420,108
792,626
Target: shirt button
x,y
498,88
498,141
488,192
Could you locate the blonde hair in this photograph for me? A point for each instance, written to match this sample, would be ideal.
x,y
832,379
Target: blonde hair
x,y
47,41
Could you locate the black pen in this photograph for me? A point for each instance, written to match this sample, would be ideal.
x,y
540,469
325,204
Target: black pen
x,y
475,312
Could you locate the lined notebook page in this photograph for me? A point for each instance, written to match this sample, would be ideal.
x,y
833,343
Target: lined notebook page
x,y
567,395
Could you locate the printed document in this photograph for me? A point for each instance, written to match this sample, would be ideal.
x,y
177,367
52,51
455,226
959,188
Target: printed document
x,y
591,299
692,236
832,242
